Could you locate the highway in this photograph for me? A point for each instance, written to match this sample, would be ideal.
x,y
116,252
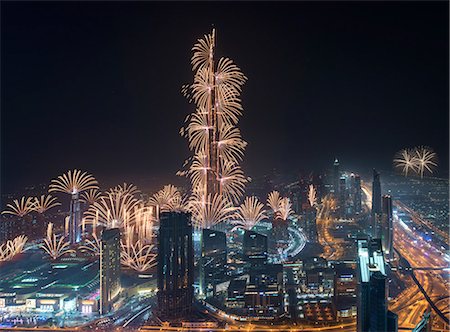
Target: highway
x,y
427,262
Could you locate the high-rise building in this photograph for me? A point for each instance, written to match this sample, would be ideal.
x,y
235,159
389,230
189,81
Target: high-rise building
x,y
375,227
213,267
336,176
263,294
109,268
310,224
387,238
357,194
255,248
342,197
175,265
372,288
75,219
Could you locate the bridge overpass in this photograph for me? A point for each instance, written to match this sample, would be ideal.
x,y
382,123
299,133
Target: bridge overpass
x,y
404,263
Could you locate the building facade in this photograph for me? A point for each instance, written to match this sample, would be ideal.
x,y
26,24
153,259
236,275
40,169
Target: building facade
x,y
109,268
387,227
175,265
213,267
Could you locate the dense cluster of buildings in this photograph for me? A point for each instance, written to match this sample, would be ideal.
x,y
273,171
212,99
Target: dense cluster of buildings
x,y
241,281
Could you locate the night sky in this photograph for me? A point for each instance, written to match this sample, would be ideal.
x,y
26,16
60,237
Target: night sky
x,y
97,86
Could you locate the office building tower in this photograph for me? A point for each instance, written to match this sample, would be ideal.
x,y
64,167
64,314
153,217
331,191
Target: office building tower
x,y
310,224
175,265
109,268
357,194
75,219
213,267
336,176
345,286
263,294
255,248
342,197
236,294
387,239
372,288
375,227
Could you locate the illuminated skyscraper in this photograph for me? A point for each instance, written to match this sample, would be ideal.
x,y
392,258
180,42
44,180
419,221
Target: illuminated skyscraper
x,y
109,268
175,265
336,176
75,219
387,227
213,267
311,225
372,288
342,197
255,248
375,227
357,194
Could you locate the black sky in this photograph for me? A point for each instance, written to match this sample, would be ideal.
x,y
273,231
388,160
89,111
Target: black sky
x,y
97,86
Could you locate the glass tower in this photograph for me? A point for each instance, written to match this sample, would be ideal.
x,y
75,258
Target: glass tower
x,y
175,265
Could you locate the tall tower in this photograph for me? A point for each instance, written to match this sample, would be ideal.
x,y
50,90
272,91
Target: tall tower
x,y
214,260
342,197
373,315
375,226
216,93
336,176
357,194
255,248
387,239
175,265
74,219
109,268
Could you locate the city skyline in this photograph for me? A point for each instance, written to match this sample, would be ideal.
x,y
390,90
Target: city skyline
x,y
349,83
283,209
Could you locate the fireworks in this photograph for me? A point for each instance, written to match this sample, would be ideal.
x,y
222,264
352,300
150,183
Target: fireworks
x,y
90,196
145,216
168,199
210,211
406,161
115,209
419,160
211,130
138,256
73,182
232,181
20,207
249,213
285,209
312,197
92,246
44,203
12,247
274,201
426,160
281,207
52,246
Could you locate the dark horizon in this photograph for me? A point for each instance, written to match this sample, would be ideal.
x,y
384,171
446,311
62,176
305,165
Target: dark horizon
x,y
96,86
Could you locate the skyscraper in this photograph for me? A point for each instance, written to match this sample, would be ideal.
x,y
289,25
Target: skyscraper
x,y
175,265
74,219
336,176
255,248
214,260
357,194
109,268
375,226
342,197
387,238
372,288
311,225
